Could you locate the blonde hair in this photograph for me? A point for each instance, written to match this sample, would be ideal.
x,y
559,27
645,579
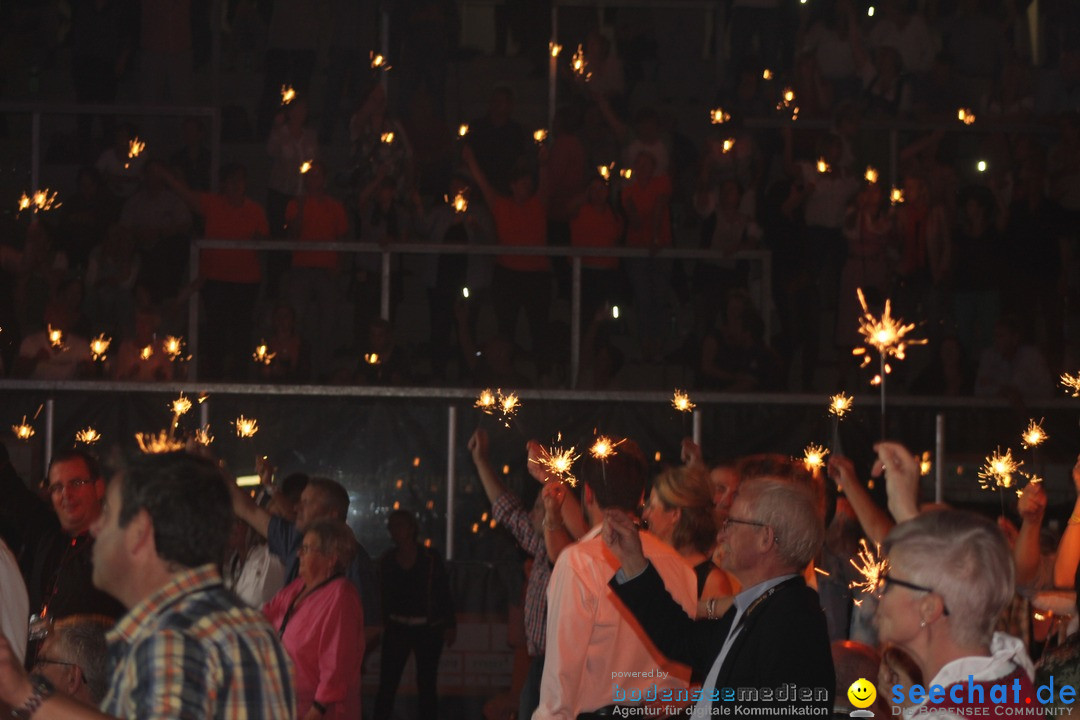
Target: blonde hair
x,y
688,489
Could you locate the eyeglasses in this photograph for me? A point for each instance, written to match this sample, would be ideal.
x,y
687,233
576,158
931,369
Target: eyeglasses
x,y
59,488
726,524
50,661
886,580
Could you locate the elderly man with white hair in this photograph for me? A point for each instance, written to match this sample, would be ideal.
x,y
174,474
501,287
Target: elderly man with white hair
x,y
770,650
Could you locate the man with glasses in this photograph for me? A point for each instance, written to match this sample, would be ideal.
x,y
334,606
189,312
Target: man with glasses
x,y
774,635
56,557
73,657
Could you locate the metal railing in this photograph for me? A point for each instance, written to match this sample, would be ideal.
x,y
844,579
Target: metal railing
x,y
387,253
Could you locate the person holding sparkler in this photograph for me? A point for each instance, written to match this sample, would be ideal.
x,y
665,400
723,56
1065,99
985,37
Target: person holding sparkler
x,y
594,223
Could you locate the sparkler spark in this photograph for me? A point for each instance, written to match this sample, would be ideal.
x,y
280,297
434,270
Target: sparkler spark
x,y
681,401
136,147
246,427
896,196
262,354
578,64
871,175
605,171
1034,435
998,470
604,447
180,405
463,129
24,430
789,96
822,166
288,94
508,404
886,334
965,116
39,201
540,135
814,457
387,137
173,347
99,346
146,353
505,404
718,116
378,62
162,442
728,144
87,436
870,567
486,401
925,464
559,463
840,404
766,74
202,436
305,167
371,358
460,202
1071,383
626,173
56,338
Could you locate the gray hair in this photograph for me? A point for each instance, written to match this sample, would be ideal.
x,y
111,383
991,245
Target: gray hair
x,y
789,508
80,639
965,558
335,538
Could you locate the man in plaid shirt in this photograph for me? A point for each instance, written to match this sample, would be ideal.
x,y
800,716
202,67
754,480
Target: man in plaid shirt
x,y
186,648
556,521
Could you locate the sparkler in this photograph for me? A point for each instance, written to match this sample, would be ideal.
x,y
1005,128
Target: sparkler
x,y
896,196
485,401
871,175
870,567
246,427
262,354
787,100
540,136
728,144
463,129
925,464
558,462
135,149
371,358
1071,383
39,201
460,202
387,137
180,405
766,74
305,167
56,338
681,401
626,173
288,94
146,353
822,166
965,116
814,457
506,405
839,406
162,442
87,436
554,48
24,430
202,436
604,447
579,65
99,346
378,62
605,171
718,117
887,335
997,472
1034,435
173,347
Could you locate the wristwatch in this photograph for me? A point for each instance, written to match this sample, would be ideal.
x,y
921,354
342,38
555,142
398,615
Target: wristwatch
x,y
42,691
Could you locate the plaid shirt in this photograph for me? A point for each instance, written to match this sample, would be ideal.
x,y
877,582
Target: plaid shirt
x,y
192,651
507,511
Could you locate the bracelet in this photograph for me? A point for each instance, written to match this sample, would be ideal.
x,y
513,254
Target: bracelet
x,y
553,525
710,608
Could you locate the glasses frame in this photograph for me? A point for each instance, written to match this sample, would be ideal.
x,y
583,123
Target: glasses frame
x,y
50,661
729,520
886,579
60,488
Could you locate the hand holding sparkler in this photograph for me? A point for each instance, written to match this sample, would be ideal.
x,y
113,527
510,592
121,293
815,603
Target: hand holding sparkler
x,y
874,521
1032,504
620,534
478,447
691,454
553,495
901,470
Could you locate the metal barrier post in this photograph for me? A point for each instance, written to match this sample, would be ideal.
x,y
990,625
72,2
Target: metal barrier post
x,y
939,458
50,431
384,290
193,312
451,477
35,150
575,319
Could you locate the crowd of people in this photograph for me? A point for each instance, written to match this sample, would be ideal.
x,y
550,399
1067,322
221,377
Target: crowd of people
x,y
984,235
163,589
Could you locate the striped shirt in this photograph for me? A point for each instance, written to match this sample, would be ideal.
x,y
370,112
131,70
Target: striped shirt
x,y
191,650
508,512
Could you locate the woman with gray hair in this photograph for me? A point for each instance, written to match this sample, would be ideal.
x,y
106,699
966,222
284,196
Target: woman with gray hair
x,y
321,624
949,574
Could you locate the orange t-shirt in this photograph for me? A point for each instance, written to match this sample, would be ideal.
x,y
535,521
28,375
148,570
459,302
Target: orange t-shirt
x,y
324,221
596,227
645,198
225,221
521,225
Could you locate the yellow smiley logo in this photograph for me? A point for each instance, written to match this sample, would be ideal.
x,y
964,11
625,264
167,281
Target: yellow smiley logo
x,y
862,693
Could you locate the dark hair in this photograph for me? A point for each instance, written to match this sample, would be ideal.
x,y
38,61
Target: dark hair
x,y
292,485
334,495
618,481
92,465
82,641
407,517
230,170
187,501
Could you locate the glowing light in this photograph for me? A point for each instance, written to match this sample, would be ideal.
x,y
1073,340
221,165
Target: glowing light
x,y
180,405
305,167
965,116
387,137
87,436
136,147
870,11
656,457
463,129
814,457
997,471
416,462
840,404
162,442
508,404
887,335
1034,435
578,64
718,117
626,173
558,462
262,354
485,401
378,62
146,353
371,358
789,96
728,144
246,427
604,447
870,566
896,196
99,346
460,202
506,469
24,430
173,347
605,171
288,94
39,201
496,402
766,74
540,135
981,166
465,293
554,48
681,401
1071,383
203,437
871,175
615,312
822,166
56,338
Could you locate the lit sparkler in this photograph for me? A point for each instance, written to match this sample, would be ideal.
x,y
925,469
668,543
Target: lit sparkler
x,y
203,437
135,149
246,427
871,175
998,470
378,62
605,171
485,401
56,338
1034,435
766,74
965,116
718,117
579,65
173,347
180,405
99,346
262,354
681,402
305,167
288,94
39,201
387,137
372,358
87,436
540,136
463,130
554,48
814,457
24,430
896,196
822,166
506,404
146,353
162,442
728,144
925,464
870,567
1071,383
559,463
840,404
626,173
604,447
460,202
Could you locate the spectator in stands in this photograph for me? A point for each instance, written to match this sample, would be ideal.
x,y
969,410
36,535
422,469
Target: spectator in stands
x,y
734,356
41,356
594,223
230,277
121,171
827,48
925,251
1011,368
897,25
111,275
292,142
497,140
103,37
320,621
384,219
162,225
85,217
870,237
192,161
74,657
978,270
420,615
425,35
140,357
293,37
383,361
291,358
380,145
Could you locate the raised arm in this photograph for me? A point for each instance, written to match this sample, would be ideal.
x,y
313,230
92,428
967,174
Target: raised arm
x,y
1068,554
245,508
875,522
901,479
1026,551
178,186
489,192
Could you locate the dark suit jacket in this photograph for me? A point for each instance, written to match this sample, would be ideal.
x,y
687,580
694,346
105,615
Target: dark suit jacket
x,y
783,640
